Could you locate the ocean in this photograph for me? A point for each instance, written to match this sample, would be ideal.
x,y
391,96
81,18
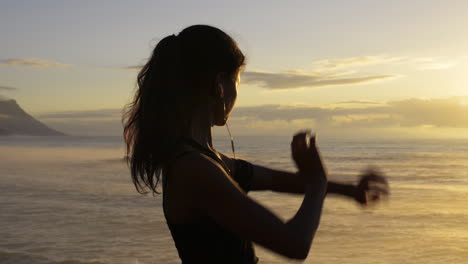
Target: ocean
x,y
71,200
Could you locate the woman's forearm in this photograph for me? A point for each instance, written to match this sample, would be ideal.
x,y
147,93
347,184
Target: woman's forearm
x,y
306,221
348,190
289,182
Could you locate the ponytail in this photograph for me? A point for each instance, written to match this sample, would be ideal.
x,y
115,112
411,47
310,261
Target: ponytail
x,y
171,86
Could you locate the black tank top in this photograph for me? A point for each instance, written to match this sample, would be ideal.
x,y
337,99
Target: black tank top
x,y
203,240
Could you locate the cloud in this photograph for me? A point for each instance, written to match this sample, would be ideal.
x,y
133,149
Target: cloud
x,y
278,112
446,112
86,127
32,62
89,114
297,79
359,102
331,64
103,122
135,67
341,72
409,114
330,72
435,66
419,63
335,72
8,88
431,63
419,118
293,80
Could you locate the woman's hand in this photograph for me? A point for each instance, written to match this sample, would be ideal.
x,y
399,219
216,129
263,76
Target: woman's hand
x,y
371,187
307,158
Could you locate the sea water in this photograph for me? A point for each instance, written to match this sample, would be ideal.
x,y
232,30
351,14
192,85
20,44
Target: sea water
x,y
71,200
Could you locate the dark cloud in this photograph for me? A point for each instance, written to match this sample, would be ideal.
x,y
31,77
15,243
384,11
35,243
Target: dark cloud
x,y
294,80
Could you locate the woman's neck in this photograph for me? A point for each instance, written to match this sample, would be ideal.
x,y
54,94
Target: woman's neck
x,y
201,131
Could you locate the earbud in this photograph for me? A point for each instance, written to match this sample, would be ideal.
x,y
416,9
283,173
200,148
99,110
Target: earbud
x,y
220,91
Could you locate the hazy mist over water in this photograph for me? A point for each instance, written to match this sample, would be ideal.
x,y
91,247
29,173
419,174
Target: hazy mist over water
x,y
71,200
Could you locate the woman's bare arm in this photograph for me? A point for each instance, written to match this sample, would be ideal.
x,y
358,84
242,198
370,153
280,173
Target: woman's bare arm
x,y
288,182
282,181
212,192
265,178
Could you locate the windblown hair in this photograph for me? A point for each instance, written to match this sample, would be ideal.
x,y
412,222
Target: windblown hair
x,y
176,81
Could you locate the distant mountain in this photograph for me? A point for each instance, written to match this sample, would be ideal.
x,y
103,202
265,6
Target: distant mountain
x,y
15,121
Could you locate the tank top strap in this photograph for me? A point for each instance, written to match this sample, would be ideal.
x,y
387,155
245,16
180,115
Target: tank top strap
x,y
208,152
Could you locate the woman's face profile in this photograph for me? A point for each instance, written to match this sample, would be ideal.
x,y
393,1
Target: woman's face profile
x,y
231,93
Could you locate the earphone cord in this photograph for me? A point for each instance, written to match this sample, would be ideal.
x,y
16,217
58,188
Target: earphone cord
x,y
232,141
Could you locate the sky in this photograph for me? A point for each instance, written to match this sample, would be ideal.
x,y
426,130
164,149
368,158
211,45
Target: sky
x,y
354,67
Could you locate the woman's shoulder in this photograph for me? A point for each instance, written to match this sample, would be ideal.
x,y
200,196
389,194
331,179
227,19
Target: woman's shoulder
x,y
193,167
189,155
190,160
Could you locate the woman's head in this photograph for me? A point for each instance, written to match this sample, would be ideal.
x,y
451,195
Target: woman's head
x,y
193,73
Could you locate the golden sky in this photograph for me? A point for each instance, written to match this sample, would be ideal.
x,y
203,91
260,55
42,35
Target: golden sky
x,y
389,66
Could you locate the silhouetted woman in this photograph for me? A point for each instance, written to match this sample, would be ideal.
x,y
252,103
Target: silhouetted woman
x,y
188,86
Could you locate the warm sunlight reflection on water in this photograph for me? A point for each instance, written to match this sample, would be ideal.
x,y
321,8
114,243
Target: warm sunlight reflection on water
x,y
78,203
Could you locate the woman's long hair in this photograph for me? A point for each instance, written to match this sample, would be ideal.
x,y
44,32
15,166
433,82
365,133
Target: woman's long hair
x,y
176,81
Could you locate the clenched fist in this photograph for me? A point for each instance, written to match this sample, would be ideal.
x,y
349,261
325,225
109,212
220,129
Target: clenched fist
x,y
307,158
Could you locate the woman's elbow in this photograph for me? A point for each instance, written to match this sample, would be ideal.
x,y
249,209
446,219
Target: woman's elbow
x,y
302,252
298,255
299,249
